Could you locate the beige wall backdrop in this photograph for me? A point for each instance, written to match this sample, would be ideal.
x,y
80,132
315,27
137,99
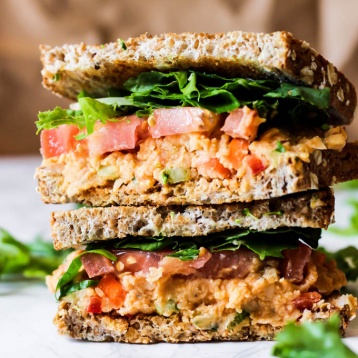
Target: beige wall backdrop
x,y
330,26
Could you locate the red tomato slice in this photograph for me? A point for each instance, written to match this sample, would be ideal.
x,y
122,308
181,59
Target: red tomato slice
x,y
113,136
95,305
138,260
57,141
112,289
238,149
255,164
242,123
169,121
96,264
214,169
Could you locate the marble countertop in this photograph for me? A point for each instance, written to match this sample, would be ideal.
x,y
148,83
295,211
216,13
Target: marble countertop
x,y
27,308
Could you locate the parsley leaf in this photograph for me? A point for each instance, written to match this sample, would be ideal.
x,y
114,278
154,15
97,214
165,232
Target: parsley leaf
x,y
312,340
32,260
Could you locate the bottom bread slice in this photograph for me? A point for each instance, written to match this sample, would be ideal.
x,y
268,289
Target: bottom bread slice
x,y
143,328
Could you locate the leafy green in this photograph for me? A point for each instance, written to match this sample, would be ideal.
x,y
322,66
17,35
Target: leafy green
x,y
66,283
150,90
264,243
312,340
318,98
186,254
352,229
280,148
238,319
346,259
59,116
350,185
31,260
76,286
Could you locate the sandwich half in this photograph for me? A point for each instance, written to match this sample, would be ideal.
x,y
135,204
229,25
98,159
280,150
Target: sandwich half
x,y
204,163
229,284
193,119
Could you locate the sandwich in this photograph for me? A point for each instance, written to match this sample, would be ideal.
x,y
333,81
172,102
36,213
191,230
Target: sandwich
x,y
204,164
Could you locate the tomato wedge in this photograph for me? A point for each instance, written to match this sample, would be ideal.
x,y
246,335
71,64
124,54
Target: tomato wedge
x,y
95,305
112,289
242,123
255,164
170,121
238,149
113,136
57,141
214,169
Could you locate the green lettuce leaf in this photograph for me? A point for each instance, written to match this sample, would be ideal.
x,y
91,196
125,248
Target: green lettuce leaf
x,y
151,90
312,340
58,117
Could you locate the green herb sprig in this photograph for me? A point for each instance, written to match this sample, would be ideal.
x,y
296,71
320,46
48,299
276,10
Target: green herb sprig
x,y
312,340
32,260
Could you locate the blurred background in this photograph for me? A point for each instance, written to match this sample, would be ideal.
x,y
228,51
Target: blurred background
x,y
330,26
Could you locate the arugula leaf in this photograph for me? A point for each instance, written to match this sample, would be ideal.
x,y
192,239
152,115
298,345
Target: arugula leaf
x,y
186,254
346,259
312,340
65,282
76,286
33,260
318,98
264,243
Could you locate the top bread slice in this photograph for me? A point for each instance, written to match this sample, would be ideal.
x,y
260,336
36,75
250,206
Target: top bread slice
x,y
69,69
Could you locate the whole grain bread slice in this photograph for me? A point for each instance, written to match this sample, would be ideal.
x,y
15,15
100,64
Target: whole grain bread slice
x,y
82,226
69,69
143,328
326,167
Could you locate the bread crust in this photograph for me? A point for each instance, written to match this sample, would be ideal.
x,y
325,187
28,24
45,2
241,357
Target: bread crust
x,y
155,328
82,226
69,69
323,170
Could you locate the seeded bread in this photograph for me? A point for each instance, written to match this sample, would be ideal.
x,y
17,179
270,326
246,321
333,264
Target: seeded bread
x,y
155,328
81,226
69,69
324,169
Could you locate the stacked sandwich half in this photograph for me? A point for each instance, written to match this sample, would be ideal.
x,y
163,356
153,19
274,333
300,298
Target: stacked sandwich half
x,y
204,164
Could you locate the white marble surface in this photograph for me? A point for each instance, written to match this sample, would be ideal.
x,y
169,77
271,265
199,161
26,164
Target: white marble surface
x,y
27,308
